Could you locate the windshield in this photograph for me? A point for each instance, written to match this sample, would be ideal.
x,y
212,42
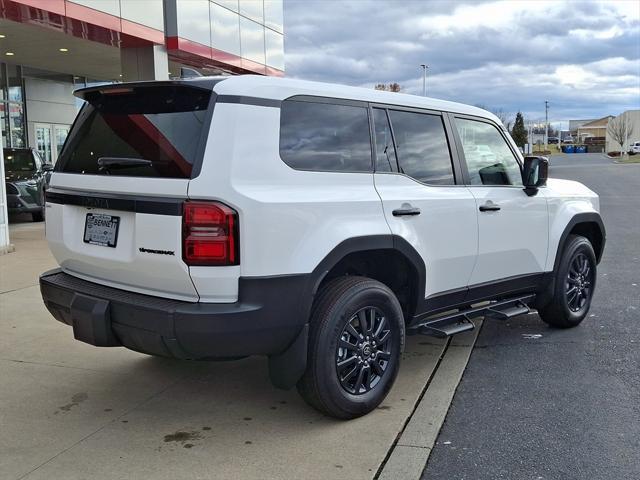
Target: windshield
x,y
19,161
162,124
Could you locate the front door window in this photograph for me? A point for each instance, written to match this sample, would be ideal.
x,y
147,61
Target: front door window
x,y
489,159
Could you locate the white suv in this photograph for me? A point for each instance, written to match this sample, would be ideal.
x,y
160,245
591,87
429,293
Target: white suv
x,y
316,224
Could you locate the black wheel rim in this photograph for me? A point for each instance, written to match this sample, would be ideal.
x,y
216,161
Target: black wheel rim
x,y
579,284
364,351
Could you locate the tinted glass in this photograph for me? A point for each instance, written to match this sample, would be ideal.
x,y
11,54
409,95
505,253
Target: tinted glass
x,y
274,43
111,7
145,12
252,40
273,10
15,82
160,124
16,122
193,20
19,160
423,151
253,9
231,4
225,29
385,151
323,136
489,159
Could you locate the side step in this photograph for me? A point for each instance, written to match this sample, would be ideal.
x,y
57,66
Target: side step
x,y
460,321
445,327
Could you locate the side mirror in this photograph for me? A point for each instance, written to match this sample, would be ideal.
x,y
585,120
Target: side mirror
x,y
47,167
534,174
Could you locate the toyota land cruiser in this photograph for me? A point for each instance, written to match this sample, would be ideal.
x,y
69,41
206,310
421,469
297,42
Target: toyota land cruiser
x,y
314,224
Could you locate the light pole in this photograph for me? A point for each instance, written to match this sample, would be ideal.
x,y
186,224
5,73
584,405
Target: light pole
x,y
546,124
424,79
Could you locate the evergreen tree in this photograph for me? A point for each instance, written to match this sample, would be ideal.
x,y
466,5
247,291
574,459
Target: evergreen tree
x,y
519,132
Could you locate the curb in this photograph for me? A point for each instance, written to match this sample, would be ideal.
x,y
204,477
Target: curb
x,y
410,454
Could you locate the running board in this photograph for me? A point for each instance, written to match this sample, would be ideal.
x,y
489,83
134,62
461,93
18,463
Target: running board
x,y
460,321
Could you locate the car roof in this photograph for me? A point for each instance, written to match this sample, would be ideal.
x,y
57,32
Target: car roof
x,y
278,88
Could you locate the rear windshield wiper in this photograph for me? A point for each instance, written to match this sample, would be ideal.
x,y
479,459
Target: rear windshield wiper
x,y
106,164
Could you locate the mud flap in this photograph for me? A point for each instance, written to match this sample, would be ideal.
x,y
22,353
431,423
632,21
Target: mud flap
x,y
286,368
92,321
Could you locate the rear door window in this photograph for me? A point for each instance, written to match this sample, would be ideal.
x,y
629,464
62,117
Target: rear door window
x,y
386,160
163,124
422,147
325,136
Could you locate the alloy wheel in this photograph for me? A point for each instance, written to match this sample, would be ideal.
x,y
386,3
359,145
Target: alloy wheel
x,y
579,283
363,351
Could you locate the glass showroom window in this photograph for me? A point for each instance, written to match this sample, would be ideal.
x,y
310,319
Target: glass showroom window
x,y
12,119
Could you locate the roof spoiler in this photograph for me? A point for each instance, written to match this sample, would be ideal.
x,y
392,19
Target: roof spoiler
x,y
205,83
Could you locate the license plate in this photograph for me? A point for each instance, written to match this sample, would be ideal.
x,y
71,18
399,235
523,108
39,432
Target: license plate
x,y
100,229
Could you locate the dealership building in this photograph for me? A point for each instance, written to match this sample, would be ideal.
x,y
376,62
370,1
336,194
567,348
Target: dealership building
x,y
49,48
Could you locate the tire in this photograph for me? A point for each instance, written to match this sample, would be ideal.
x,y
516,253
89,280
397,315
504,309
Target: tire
x,y
38,216
335,389
574,284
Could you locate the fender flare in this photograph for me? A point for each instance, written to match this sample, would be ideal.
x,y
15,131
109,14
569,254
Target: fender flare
x,y
586,217
547,285
362,244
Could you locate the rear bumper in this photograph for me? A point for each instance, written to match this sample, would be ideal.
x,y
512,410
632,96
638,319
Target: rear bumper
x,y
268,318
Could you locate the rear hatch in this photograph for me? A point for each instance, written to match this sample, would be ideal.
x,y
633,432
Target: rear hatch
x,y
114,206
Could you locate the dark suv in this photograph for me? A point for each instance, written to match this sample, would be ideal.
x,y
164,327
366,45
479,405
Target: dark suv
x,y
26,176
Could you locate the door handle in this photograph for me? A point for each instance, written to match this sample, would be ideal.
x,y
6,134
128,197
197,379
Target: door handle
x,y
489,206
401,212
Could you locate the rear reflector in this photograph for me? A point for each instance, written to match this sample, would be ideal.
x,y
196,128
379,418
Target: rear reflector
x,y
209,234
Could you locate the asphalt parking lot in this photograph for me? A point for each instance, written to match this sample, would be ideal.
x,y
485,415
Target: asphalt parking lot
x,y
533,402
70,410
540,403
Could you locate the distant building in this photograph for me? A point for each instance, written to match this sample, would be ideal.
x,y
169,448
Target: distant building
x,y
633,119
595,128
575,124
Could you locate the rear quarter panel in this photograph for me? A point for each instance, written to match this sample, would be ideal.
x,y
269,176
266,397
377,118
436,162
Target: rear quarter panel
x,y
289,219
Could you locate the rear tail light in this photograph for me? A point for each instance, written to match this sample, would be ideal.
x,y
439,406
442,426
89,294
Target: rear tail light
x,y
209,234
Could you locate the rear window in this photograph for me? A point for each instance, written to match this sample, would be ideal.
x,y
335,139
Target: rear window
x,y
161,124
19,160
325,137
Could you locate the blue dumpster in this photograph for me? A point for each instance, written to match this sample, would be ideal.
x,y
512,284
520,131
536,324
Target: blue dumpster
x,y
581,149
569,149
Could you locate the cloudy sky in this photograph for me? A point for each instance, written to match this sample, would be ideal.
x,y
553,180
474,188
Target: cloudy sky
x,y
584,57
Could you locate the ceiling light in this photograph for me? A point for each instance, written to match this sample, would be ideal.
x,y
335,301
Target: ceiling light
x,y
9,54
64,49
2,35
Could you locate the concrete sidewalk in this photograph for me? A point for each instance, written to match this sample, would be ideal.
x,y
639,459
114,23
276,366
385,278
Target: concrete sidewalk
x,y
70,410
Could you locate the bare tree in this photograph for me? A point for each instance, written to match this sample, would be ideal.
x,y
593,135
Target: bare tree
x,y
504,117
391,87
620,130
